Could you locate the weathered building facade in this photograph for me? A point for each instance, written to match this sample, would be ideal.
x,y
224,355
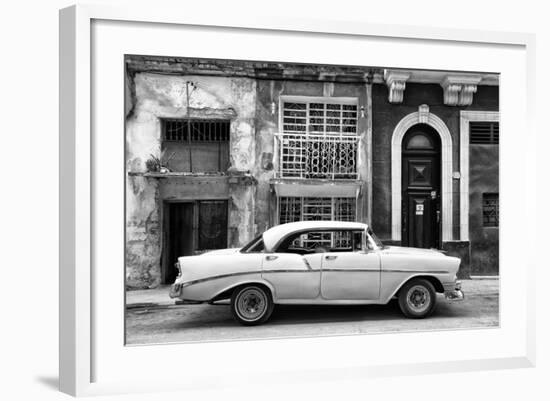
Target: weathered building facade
x,y
217,151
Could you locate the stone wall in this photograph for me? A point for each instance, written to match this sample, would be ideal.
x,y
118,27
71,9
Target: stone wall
x,y
151,97
462,250
484,177
143,233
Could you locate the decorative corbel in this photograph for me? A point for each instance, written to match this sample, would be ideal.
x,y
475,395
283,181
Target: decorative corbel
x,y
467,95
459,90
396,82
450,93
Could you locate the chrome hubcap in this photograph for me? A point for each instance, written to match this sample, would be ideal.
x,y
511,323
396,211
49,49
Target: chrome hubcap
x,y
251,304
418,298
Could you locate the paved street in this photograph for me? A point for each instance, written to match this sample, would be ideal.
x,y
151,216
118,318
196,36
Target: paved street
x,y
152,317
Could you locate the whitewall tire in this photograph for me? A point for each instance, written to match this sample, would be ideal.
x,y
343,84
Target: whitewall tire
x,y
417,298
251,304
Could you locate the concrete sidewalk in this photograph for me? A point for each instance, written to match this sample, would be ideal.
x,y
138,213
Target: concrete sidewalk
x,y
158,297
149,297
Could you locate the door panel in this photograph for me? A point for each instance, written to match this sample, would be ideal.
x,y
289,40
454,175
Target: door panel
x,y
212,230
189,227
420,172
350,275
293,276
421,164
422,231
421,202
179,236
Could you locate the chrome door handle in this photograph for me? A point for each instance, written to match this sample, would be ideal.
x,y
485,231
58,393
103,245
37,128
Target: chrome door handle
x,y
271,257
330,257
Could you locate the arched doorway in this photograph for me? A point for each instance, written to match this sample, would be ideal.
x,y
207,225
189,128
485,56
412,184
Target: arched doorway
x,y
421,187
422,116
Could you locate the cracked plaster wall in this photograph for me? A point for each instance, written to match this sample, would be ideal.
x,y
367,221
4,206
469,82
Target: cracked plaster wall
x,y
151,97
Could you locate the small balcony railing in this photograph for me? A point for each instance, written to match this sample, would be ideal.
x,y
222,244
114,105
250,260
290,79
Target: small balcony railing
x,y
321,156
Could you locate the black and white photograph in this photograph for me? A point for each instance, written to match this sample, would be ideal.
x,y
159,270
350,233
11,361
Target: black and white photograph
x,y
270,199
275,201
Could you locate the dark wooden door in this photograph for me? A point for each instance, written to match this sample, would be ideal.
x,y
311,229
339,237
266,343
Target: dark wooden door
x,y
212,225
421,177
190,228
179,238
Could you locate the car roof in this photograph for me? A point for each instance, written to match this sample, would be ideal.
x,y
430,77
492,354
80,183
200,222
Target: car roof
x,y
273,236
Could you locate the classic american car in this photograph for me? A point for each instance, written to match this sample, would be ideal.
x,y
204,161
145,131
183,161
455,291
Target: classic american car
x,y
317,262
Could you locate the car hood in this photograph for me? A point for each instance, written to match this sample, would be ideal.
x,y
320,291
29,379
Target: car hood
x,y
413,251
227,251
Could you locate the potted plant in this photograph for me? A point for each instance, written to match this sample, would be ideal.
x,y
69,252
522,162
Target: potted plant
x,y
159,164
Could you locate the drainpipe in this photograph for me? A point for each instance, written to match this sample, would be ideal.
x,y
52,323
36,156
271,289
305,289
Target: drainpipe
x,y
368,145
188,127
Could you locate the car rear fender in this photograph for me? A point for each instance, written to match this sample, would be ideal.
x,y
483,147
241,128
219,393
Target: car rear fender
x,y
227,291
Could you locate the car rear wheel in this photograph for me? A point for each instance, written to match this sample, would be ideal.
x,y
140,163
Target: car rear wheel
x,y
417,298
251,305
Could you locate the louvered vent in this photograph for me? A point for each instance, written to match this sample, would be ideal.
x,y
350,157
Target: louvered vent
x,y
484,133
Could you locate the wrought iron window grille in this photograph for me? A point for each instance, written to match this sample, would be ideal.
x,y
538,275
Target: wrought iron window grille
x,y
307,209
490,210
319,140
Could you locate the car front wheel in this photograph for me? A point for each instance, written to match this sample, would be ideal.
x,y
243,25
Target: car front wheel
x,y
417,298
251,305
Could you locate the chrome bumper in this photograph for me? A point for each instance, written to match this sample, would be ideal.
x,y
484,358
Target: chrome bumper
x,y
175,290
456,295
453,291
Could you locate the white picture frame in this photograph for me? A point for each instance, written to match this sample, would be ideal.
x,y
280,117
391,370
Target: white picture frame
x,y
89,367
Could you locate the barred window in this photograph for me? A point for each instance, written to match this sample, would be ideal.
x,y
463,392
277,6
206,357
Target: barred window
x,y
319,140
294,208
196,145
319,118
196,130
306,209
484,132
490,210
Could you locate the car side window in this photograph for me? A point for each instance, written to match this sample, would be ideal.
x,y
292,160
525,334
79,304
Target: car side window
x,y
347,241
258,247
322,241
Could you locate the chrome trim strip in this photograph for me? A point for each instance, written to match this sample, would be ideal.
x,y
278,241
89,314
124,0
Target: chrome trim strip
x,y
201,280
309,270
220,276
415,271
290,271
350,270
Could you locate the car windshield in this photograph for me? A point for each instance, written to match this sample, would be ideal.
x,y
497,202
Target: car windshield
x,y
375,239
253,245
